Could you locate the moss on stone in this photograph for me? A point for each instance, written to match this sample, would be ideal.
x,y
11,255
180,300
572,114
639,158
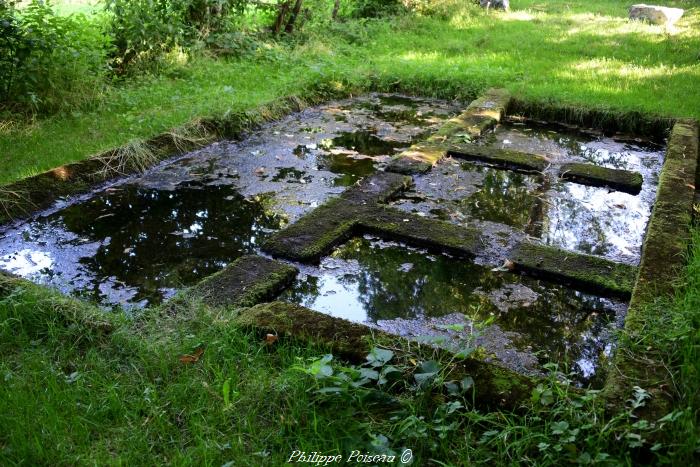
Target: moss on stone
x,y
586,271
315,234
668,232
245,282
502,158
481,115
417,159
495,386
595,175
435,234
663,258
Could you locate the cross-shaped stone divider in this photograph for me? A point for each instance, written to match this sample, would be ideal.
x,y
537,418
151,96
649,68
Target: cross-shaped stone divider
x,y
362,209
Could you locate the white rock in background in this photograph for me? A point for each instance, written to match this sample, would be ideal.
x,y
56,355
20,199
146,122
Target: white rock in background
x,y
656,14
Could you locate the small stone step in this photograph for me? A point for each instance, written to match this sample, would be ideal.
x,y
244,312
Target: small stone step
x,y
501,158
594,175
245,282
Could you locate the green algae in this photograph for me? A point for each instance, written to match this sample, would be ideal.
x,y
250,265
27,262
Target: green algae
x,y
245,282
590,272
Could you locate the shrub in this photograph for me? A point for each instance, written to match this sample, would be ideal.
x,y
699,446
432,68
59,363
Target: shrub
x,y
144,30
47,61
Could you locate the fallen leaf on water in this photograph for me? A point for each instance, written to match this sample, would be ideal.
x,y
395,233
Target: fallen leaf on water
x,y
271,339
194,358
508,265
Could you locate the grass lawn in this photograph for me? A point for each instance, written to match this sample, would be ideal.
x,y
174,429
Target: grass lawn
x,y
585,54
75,394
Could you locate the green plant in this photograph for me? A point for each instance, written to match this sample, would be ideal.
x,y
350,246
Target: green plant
x,y
145,30
49,62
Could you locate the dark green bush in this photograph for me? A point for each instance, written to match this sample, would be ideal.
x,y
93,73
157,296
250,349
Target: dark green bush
x,y
47,61
375,8
144,30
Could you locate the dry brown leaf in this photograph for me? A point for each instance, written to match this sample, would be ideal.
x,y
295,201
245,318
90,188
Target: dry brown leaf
x,y
194,357
271,339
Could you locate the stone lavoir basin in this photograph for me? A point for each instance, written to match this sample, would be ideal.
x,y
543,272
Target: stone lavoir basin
x,y
377,235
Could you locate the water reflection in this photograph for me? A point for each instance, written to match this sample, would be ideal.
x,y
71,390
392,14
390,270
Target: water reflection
x,y
139,244
372,281
595,221
463,192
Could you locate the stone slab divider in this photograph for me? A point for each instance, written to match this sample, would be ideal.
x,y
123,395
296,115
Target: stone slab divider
x,y
480,116
585,271
502,158
595,175
663,258
315,234
495,387
247,281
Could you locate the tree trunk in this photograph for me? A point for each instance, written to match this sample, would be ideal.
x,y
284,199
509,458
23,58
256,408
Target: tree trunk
x,y
293,19
284,9
336,7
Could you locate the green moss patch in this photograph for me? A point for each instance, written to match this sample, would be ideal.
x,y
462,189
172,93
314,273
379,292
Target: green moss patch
x,y
502,158
495,386
661,266
315,234
586,271
482,114
419,231
245,282
594,175
668,231
417,159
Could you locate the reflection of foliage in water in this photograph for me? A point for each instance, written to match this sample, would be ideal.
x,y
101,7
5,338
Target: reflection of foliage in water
x,y
433,286
505,196
390,281
160,239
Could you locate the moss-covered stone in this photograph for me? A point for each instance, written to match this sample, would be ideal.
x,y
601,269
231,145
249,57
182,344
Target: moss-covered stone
x,y
495,386
245,282
663,258
668,232
502,158
315,234
417,159
595,175
483,113
415,230
586,271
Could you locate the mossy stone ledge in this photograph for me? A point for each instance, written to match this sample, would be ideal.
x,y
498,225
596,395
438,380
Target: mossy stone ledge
x,y
637,362
595,175
434,234
318,232
480,116
245,282
494,386
501,158
586,271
